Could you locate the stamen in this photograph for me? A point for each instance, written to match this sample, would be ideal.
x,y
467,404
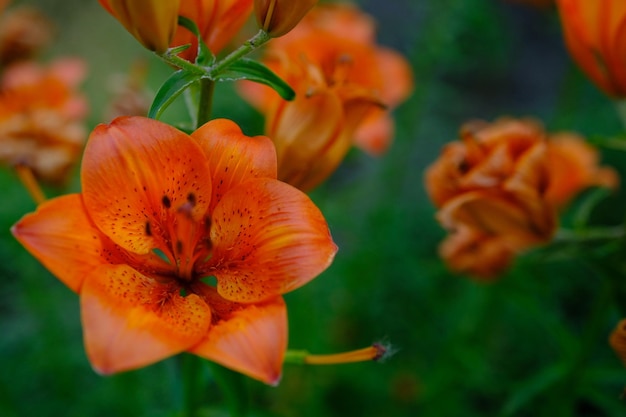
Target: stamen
x,y
376,352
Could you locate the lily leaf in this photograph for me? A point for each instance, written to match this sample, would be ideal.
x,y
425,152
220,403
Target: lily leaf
x,y
205,57
171,88
248,69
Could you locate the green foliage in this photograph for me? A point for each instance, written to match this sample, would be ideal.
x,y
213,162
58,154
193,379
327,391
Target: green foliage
x,y
531,344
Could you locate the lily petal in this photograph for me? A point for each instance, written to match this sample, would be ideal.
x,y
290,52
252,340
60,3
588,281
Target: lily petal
x,y
61,236
252,339
136,172
268,239
131,320
233,156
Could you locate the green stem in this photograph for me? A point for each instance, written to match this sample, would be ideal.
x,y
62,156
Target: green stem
x,y
205,102
193,386
181,63
583,235
234,388
253,43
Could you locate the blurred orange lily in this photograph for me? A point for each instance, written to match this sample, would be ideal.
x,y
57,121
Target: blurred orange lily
x,y
24,31
42,117
278,17
217,21
594,35
574,166
151,22
343,83
160,213
493,183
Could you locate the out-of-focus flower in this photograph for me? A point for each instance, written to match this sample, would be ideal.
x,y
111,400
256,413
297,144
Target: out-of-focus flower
x,y
617,340
343,83
41,117
277,17
130,97
574,166
594,35
499,188
151,22
24,31
217,21
160,213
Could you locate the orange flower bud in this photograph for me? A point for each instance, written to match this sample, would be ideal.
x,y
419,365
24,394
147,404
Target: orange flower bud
x,y
218,22
278,17
151,22
594,35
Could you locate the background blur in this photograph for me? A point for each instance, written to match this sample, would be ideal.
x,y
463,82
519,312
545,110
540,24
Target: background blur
x,y
531,344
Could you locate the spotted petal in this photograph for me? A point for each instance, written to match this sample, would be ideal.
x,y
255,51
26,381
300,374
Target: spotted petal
x,y
61,236
251,340
135,172
269,238
233,156
131,320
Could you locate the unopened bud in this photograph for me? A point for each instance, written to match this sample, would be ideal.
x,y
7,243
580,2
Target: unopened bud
x,y
277,17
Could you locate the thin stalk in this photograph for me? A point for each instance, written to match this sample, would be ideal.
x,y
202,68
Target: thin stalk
x,y
620,106
26,176
253,43
596,233
205,102
181,63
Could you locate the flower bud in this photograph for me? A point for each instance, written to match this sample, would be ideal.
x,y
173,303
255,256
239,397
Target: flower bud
x,y
151,22
278,17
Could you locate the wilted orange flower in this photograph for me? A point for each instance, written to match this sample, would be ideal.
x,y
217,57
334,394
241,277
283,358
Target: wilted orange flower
x,y
594,35
343,82
151,22
574,166
41,117
217,21
278,17
162,213
499,188
24,31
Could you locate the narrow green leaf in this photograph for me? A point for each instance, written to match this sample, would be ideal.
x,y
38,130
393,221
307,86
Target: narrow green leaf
x,y
248,69
171,88
205,57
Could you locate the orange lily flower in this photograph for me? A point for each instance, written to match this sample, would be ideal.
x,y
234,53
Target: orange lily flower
x,y
493,182
42,117
159,214
277,17
343,84
24,31
617,340
594,35
573,167
151,22
217,21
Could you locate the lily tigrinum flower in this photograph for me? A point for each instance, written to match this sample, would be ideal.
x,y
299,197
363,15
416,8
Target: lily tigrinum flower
x,y
181,243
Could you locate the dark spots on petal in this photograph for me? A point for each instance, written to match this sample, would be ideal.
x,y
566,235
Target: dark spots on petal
x,y
179,246
148,229
166,202
191,198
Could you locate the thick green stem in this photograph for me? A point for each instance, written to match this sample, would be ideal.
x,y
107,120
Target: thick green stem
x,y
205,102
620,106
256,41
193,385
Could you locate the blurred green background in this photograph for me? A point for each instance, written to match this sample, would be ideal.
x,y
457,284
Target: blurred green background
x,y
532,344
